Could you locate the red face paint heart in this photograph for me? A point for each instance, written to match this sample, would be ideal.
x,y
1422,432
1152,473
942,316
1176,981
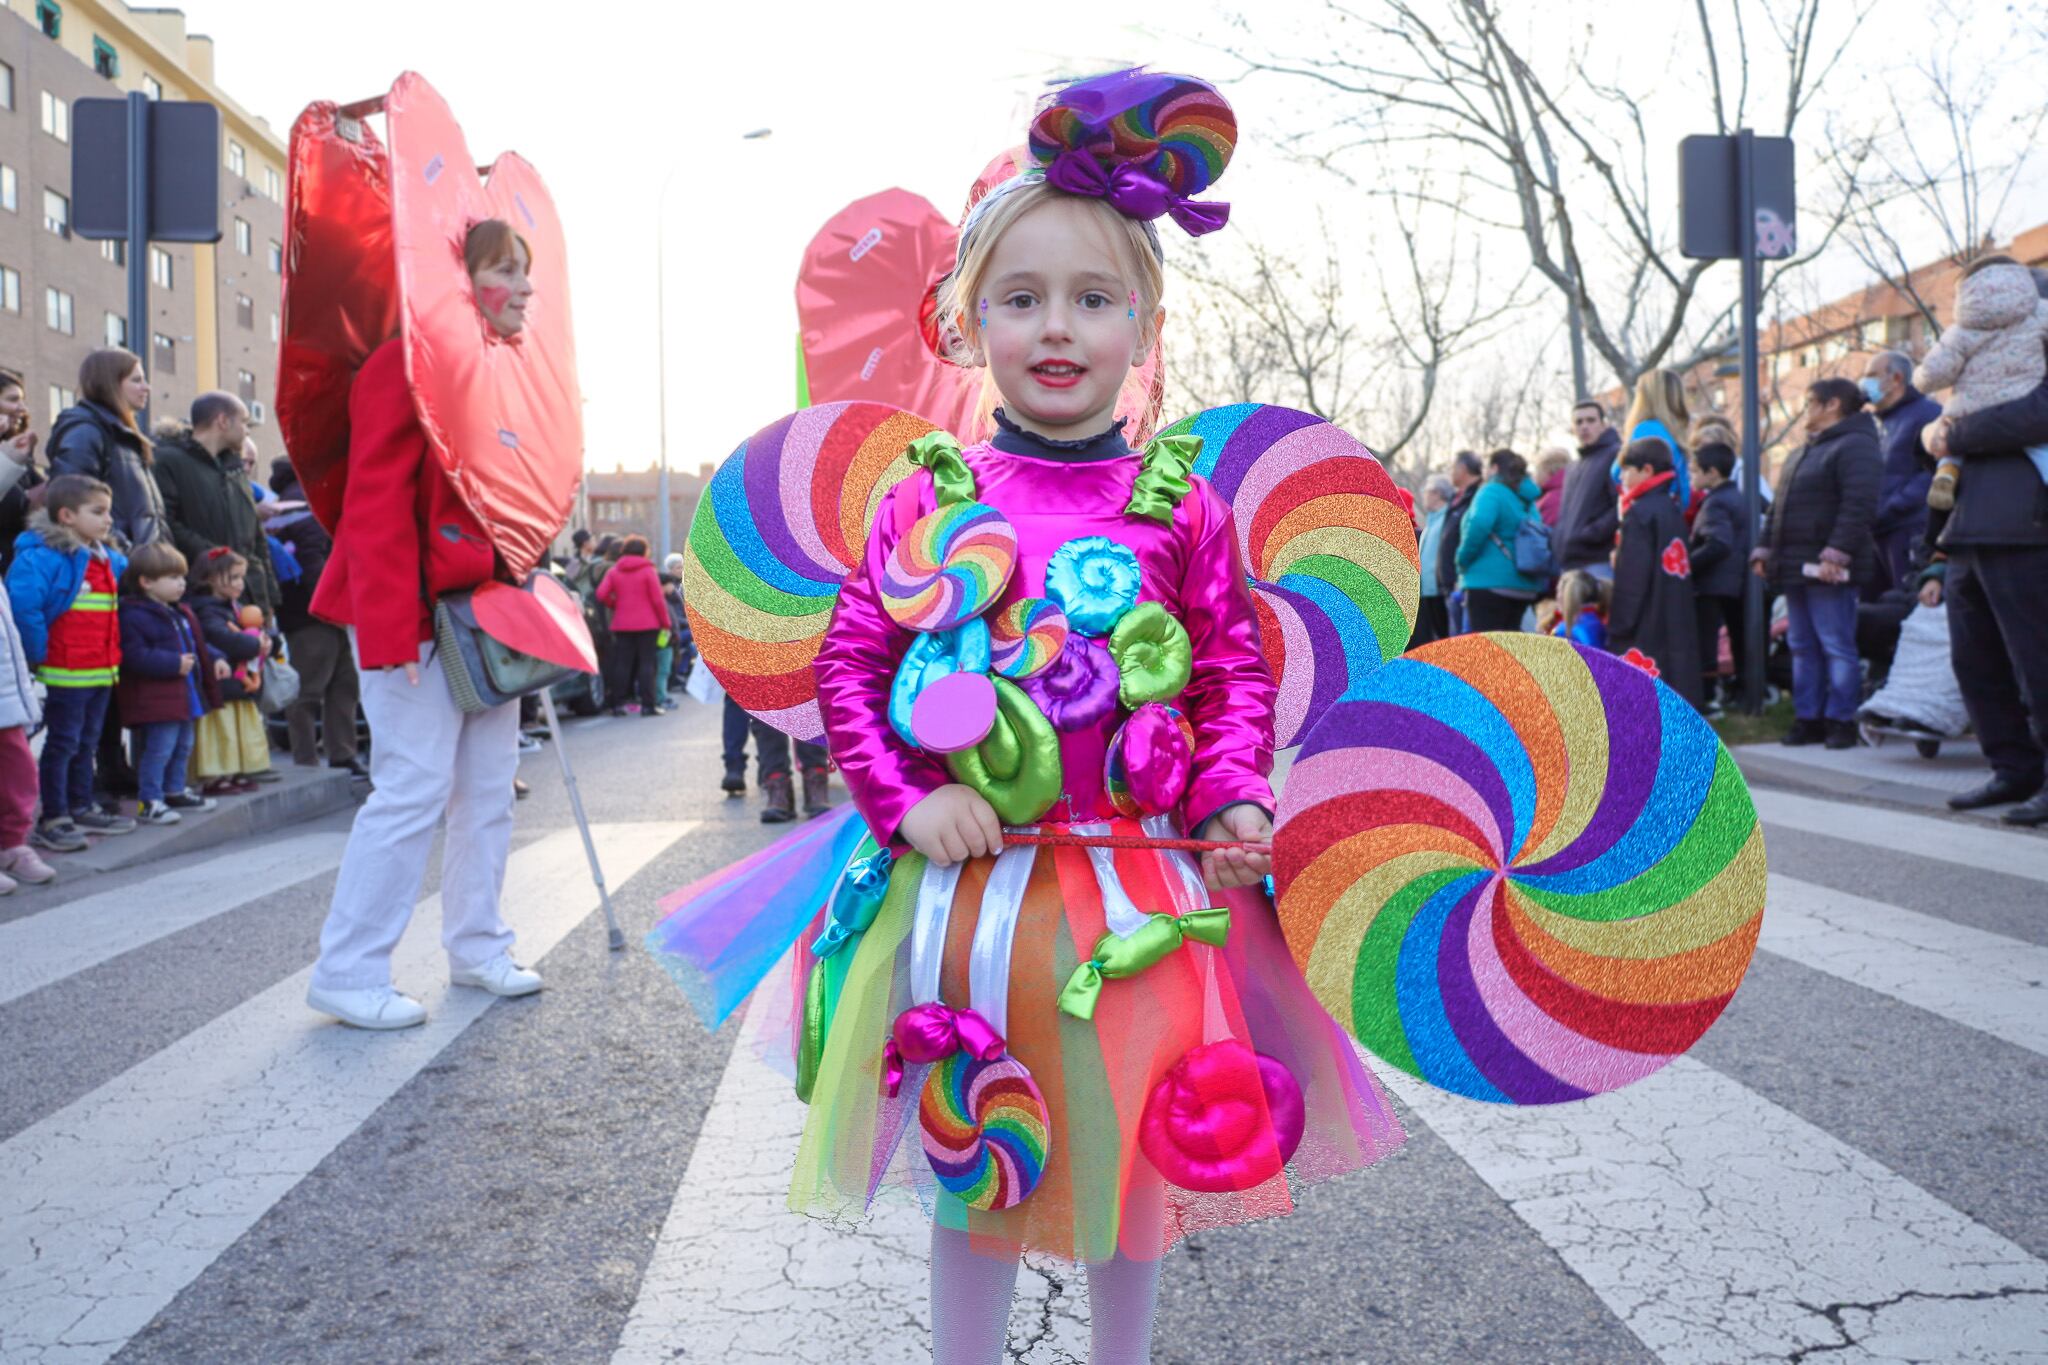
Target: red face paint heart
x,y
492,298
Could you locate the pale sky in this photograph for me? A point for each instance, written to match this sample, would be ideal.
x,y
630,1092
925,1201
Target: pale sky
x,y
860,98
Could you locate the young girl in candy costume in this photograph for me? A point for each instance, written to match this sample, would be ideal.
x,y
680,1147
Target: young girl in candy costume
x,y
1085,1051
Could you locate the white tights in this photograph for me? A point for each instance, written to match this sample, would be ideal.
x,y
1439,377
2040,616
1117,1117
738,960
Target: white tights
x,y
971,1296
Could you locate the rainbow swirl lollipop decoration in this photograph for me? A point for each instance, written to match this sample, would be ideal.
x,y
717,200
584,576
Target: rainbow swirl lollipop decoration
x,y
1519,869
785,519
950,567
1336,573
1027,636
985,1129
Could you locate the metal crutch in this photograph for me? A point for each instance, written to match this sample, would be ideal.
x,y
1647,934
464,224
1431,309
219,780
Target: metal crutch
x,y
617,939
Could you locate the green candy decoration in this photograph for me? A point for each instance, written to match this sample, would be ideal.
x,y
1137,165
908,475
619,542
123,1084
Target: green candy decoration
x,y
1017,768
1163,477
938,452
821,997
1146,946
1153,655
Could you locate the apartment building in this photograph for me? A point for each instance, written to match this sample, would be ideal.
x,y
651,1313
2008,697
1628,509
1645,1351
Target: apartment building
x,y
214,318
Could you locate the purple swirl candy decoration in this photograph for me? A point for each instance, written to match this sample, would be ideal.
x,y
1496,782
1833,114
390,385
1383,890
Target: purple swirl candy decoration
x,y
1079,689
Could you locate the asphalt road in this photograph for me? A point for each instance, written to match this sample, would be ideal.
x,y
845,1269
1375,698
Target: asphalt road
x,y
194,1168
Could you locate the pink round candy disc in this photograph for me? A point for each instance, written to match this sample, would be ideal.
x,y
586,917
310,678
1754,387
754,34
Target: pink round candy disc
x,y
954,713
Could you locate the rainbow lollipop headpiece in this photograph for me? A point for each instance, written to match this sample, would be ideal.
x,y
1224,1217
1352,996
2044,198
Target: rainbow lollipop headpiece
x,y
1145,141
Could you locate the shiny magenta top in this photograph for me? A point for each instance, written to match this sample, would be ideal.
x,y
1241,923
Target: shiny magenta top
x,y
1191,568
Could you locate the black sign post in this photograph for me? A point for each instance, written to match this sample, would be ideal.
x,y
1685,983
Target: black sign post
x,y
144,170
1736,200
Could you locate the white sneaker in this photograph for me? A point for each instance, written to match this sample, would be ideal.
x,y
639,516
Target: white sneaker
x,y
500,976
373,1007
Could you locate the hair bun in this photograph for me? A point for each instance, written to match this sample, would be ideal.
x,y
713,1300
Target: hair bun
x,y
1178,128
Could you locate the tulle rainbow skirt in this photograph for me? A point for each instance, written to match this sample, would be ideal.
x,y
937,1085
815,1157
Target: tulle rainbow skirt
x,y
1004,935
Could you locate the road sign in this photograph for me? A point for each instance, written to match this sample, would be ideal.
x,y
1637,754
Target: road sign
x,y
1709,226
182,162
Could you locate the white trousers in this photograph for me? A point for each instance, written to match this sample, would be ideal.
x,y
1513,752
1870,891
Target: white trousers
x,y
427,759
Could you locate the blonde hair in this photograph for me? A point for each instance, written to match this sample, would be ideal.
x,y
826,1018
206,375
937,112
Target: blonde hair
x,y
1660,395
1135,242
1553,458
1578,590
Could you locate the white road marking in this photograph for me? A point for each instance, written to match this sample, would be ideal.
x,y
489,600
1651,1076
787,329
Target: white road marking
x,y
737,1277
1718,1226
46,948
2011,851
1980,980
112,1205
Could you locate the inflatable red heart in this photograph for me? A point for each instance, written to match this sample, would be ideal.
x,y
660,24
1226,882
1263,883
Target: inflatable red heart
x,y
543,620
504,416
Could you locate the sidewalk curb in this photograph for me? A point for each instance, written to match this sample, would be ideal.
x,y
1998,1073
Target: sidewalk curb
x,y
304,794
1783,772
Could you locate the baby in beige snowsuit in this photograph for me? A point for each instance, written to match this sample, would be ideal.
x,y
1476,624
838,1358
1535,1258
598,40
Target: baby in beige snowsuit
x,y
1992,355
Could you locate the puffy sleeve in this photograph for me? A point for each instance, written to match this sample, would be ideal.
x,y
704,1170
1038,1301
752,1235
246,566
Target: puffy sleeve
x,y
1230,693
854,669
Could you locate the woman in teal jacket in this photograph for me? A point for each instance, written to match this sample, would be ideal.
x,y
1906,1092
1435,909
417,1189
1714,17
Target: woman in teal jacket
x,y
1496,594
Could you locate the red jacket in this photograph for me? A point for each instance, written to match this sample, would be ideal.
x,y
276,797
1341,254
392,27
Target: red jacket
x,y
405,537
632,589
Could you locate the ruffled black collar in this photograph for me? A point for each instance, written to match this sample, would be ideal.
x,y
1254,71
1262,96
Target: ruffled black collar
x,y
1012,439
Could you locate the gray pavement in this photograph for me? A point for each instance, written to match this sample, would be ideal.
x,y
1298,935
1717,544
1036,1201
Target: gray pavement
x,y
1849,1165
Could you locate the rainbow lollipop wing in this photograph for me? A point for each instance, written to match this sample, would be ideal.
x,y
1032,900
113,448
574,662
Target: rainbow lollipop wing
x,y
1336,573
785,519
1519,869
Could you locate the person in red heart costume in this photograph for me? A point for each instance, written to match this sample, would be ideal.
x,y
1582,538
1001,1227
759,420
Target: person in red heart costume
x,y
405,537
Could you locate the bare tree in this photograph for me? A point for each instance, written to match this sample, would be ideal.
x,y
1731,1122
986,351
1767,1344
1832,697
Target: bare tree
x,y
1937,159
1562,157
1274,329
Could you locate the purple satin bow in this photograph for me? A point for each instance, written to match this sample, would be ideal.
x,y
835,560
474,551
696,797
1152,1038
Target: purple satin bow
x,y
1133,191
932,1033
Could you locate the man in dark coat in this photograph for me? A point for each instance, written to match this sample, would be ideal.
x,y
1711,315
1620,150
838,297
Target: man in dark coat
x,y
1997,545
1586,518
1722,537
207,496
1651,610
1902,411
329,687
1817,547
1466,476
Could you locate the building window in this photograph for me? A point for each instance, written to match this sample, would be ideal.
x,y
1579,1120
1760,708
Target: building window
x,y
60,399
105,61
117,330
273,185
160,268
152,87
245,386
49,18
10,288
114,250
6,86
10,190
238,160
56,117
245,311
166,361
245,237
276,259
274,329
56,213
57,311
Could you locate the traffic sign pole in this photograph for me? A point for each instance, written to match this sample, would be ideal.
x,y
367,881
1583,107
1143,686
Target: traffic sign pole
x,y
138,232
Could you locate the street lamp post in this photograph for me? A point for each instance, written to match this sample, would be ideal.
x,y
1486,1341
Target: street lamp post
x,y
661,339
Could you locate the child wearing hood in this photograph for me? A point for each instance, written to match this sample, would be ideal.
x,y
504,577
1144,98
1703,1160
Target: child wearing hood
x,y
1992,355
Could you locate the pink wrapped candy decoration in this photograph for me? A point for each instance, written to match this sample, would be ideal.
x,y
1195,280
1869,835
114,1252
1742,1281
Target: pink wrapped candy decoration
x,y
1149,762
1079,689
1223,1118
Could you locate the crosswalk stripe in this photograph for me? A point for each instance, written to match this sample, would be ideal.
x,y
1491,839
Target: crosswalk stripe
x,y
737,1277
113,1204
1981,980
1950,841
1718,1226
45,948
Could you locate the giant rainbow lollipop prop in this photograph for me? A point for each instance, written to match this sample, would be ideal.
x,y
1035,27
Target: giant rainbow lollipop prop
x,y
1336,574
785,519
1519,869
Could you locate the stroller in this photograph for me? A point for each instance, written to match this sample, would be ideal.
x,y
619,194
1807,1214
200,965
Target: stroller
x,y
1919,700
